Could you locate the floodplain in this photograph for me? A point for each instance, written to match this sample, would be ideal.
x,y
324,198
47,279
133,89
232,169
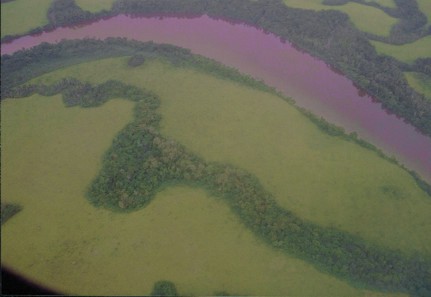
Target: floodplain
x,y
321,178
94,6
420,82
20,10
408,52
51,155
184,235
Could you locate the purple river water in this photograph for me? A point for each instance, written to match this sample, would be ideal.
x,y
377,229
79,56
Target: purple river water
x,y
309,81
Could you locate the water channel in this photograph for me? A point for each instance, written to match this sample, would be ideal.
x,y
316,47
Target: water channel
x,y
309,81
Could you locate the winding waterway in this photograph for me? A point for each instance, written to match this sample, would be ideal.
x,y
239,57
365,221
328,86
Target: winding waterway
x,y
309,81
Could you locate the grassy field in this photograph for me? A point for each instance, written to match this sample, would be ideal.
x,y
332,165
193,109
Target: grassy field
x,y
365,18
420,83
95,5
320,178
15,16
50,155
408,52
425,7
387,3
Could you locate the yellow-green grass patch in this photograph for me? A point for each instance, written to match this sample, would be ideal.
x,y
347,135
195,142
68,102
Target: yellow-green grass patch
x,y
365,18
321,178
50,154
20,16
95,5
420,82
408,52
425,7
368,19
386,3
310,4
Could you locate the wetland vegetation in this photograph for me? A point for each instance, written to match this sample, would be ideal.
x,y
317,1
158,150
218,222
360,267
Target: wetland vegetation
x,y
198,176
8,210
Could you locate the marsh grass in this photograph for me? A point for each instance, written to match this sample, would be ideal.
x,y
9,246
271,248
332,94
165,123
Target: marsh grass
x,y
408,52
95,5
20,16
51,153
321,178
387,3
425,7
420,82
365,18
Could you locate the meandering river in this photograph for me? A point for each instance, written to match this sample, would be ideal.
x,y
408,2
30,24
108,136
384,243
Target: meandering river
x,y
309,81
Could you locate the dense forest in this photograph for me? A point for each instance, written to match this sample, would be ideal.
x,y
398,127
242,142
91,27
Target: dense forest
x,y
328,35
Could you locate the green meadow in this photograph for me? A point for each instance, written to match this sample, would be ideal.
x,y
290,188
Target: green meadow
x,y
420,83
408,52
94,5
15,16
311,4
320,178
51,153
386,3
425,7
365,18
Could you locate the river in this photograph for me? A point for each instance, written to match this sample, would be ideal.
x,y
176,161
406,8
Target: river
x,y
309,81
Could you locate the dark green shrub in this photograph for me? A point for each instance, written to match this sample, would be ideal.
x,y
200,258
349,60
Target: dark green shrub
x,y
164,288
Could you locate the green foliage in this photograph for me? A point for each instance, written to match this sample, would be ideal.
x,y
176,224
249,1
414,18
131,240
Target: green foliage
x,y
65,12
164,288
8,210
136,60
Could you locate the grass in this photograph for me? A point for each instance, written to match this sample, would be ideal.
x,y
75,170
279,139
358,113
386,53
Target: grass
x,y
320,178
420,83
408,52
95,5
20,16
50,155
386,3
425,7
310,4
365,18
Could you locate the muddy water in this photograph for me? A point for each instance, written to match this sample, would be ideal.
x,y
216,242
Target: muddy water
x,y
312,83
